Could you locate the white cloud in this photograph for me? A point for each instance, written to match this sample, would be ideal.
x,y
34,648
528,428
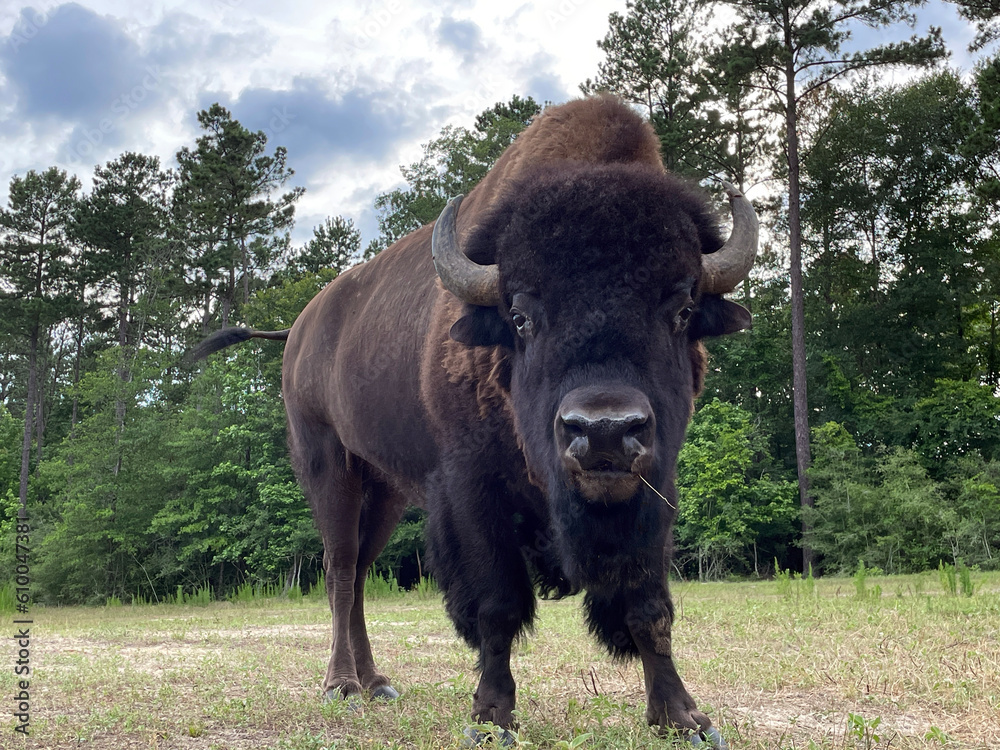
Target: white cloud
x,y
362,85
352,89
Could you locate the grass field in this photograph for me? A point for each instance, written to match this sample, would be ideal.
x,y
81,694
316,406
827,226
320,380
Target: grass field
x,y
776,665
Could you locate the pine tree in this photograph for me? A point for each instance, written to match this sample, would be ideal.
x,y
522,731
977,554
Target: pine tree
x,y
223,204
35,273
653,58
793,48
123,227
335,245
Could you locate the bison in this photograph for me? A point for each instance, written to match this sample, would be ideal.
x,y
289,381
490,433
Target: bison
x,y
524,369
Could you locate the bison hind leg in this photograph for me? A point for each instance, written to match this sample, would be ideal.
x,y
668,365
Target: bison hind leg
x,y
355,514
383,507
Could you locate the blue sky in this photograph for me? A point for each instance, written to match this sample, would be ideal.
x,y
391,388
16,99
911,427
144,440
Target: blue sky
x,y
350,88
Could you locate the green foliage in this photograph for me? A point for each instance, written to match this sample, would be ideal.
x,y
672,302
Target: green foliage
x,y
10,462
971,519
889,512
378,586
425,588
946,575
860,580
318,589
404,553
237,502
101,487
956,419
956,579
126,257
792,583
334,246
727,495
938,735
201,596
986,18
653,59
35,253
864,731
965,580
36,287
7,598
577,742
784,580
251,593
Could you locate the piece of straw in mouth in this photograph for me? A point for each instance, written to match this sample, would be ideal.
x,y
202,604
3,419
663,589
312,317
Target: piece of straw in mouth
x,y
657,492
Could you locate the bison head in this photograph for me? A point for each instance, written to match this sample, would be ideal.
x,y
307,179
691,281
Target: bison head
x,y
599,280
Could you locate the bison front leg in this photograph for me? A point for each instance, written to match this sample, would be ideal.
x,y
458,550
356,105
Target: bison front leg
x,y
491,620
669,706
488,594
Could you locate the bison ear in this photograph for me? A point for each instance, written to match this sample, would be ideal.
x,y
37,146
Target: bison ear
x,y
716,316
482,326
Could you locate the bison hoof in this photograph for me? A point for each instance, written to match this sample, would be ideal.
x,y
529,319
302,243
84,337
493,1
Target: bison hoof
x,y
710,738
385,693
478,738
355,704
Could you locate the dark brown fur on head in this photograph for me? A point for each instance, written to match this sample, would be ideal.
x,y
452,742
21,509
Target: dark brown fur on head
x,y
586,233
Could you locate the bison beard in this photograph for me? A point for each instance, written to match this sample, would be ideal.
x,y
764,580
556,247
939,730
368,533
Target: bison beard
x,y
526,374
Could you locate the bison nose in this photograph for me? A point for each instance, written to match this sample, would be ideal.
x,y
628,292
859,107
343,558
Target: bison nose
x,y
601,431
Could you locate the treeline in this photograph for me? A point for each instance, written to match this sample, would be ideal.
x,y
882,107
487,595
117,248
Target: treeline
x,y
142,473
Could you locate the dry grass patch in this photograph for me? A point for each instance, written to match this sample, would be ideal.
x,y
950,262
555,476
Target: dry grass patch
x,y
777,668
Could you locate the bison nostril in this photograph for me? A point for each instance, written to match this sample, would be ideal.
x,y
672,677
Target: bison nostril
x,y
633,446
579,447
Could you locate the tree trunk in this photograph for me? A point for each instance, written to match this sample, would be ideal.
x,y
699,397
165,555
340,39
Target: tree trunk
x,y
207,313
800,399
246,274
229,295
994,364
75,415
29,413
124,371
292,580
39,417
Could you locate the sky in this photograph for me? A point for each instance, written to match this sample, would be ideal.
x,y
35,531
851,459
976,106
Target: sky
x,y
351,88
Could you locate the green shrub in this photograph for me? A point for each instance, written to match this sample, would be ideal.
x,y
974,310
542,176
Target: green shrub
x,y
378,586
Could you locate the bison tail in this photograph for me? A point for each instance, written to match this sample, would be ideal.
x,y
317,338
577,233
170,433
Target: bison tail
x,y
229,336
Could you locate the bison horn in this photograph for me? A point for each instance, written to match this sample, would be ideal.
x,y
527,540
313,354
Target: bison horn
x,y
470,282
724,269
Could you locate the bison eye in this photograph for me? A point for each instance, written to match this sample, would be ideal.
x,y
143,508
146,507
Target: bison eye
x,y
682,318
521,322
